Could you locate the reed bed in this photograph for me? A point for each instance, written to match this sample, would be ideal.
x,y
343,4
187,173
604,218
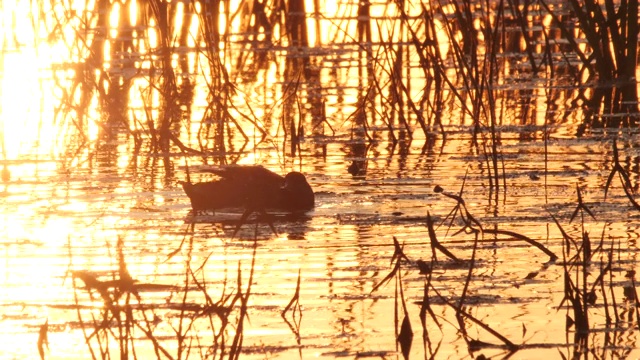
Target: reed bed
x,y
410,61
127,323
172,54
588,266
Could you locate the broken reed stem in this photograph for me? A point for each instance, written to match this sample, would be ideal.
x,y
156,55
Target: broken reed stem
x,y
467,281
76,300
236,346
624,178
475,226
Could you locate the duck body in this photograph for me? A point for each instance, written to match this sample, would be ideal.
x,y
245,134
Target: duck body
x,y
252,188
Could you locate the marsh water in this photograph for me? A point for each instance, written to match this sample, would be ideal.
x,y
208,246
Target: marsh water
x,y
88,195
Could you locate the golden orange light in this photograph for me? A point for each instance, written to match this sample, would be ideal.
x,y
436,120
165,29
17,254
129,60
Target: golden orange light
x,y
133,10
114,20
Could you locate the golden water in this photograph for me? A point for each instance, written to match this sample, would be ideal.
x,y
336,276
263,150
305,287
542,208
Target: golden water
x,y
70,197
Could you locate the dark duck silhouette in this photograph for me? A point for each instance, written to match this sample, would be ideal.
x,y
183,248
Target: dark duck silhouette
x,y
252,188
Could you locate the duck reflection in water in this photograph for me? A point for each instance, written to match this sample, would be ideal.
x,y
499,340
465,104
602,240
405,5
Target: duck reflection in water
x,y
253,189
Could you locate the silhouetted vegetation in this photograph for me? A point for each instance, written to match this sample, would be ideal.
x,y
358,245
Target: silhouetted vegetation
x,y
209,82
147,72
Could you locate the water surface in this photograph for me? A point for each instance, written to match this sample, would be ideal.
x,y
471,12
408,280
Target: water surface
x,y
93,189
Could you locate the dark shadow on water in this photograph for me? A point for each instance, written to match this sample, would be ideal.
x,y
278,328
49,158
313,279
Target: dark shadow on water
x,y
294,226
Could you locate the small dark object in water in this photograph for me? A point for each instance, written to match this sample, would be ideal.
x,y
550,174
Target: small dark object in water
x,y
253,188
353,169
424,267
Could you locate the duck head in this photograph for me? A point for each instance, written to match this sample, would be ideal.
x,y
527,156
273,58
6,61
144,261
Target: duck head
x,y
297,193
